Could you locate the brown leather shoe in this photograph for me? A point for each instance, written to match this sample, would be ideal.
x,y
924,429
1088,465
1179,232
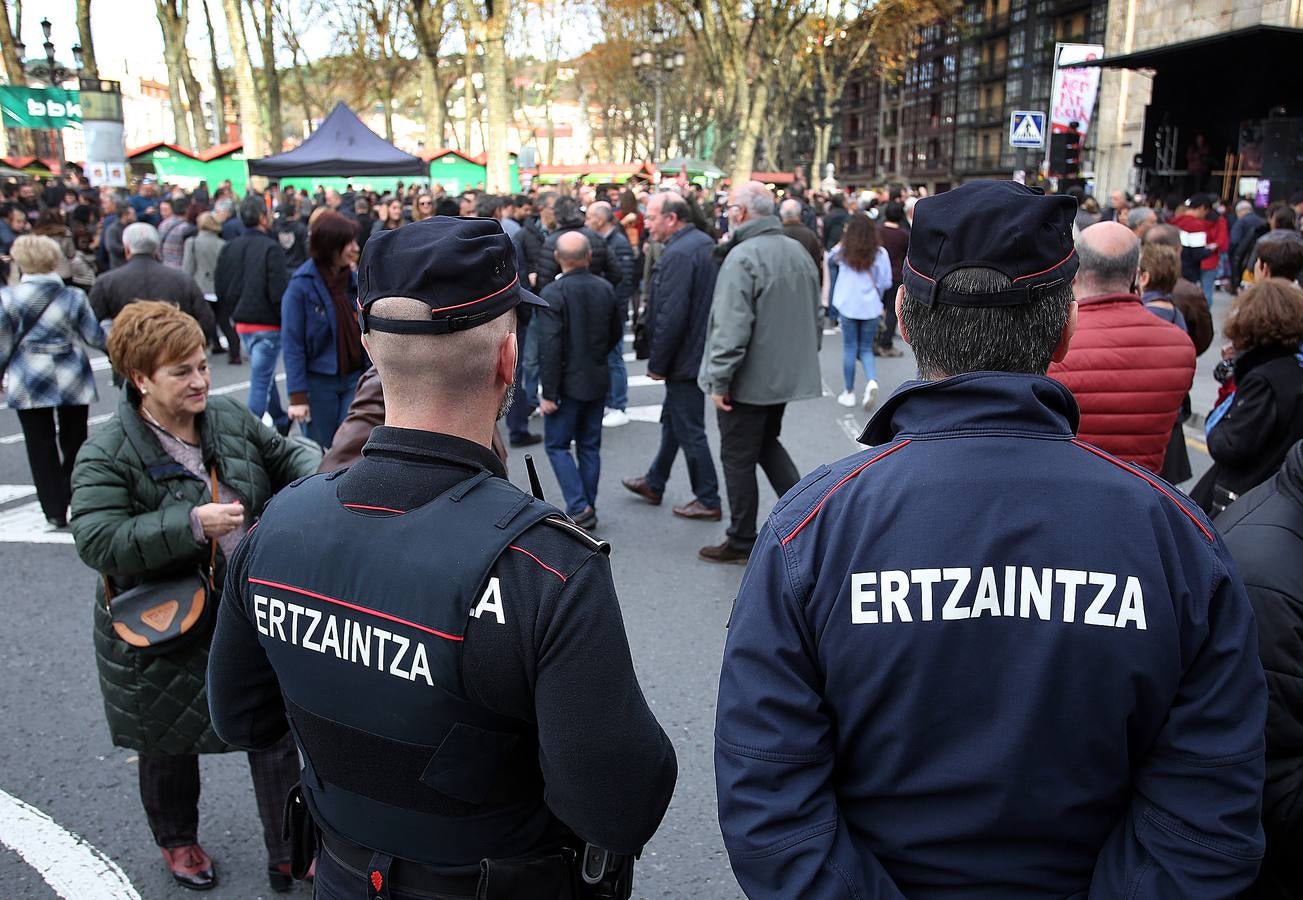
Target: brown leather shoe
x,y
191,867
698,510
724,553
640,487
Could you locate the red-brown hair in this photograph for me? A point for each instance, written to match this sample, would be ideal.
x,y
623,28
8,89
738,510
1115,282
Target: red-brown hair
x,y
328,234
860,243
1268,314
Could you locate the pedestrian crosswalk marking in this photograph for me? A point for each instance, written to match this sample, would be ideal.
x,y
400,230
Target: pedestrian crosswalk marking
x,y
1027,129
25,523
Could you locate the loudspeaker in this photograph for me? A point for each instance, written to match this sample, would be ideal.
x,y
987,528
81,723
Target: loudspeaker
x,y
1282,149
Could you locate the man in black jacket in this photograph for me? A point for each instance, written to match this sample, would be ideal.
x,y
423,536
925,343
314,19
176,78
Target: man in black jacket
x,y
569,217
292,234
678,305
601,219
575,337
250,278
1264,532
142,277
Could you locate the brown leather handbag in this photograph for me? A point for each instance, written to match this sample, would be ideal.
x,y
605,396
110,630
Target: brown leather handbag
x,y
163,616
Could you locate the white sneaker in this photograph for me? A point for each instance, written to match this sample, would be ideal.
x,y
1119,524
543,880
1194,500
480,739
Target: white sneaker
x,y
846,398
614,418
870,394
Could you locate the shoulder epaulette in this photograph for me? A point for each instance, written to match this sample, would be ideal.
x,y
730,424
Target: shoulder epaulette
x,y
570,528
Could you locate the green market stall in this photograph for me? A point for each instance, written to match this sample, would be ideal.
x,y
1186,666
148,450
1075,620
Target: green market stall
x,y
225,162
457,172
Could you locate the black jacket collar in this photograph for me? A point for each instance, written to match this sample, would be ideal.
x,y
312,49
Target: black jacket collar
x,y
976,403
432,448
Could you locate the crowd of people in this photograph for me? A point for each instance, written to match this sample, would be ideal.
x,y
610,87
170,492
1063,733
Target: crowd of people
x,y
730,297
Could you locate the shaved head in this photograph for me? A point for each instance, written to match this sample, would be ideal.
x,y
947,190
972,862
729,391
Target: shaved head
x,y
440,372
1110,254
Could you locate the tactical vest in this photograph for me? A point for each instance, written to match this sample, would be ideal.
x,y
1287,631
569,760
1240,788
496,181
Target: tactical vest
x,y
362,617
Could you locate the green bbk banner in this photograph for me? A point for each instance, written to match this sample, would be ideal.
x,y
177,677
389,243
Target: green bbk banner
x,y
26,107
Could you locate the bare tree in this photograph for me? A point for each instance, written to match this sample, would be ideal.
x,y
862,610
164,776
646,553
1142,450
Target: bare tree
x,y
89,67
263,14
246,89
26,140
488,27
375,35
219,83
171,18
300,63
431,23
743,45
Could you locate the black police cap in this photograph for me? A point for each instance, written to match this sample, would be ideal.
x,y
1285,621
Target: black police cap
x,y
1002,225
465,269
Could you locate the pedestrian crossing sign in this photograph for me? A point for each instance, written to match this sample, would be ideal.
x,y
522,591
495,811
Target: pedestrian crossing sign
x,y
1027,129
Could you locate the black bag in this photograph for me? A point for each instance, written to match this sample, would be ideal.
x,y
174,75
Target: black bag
x,y
641,333
162,616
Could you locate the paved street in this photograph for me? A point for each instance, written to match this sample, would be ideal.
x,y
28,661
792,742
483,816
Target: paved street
x,y
55,752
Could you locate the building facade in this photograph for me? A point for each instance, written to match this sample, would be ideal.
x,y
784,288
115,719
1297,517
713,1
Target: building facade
x,y
946,119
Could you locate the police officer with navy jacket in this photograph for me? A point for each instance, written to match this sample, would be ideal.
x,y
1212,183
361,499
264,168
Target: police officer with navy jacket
x,y
447,651
984,659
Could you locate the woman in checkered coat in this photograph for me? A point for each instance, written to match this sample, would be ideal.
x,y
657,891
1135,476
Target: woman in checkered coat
x,y
43,327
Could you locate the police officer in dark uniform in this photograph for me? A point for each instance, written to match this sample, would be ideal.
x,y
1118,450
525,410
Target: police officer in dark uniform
x,y
984,659
447,651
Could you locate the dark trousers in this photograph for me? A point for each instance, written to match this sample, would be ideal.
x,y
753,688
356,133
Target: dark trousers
x,y
749,436
887,327
169,791
578,422
222,311
51,456
338,881
683,424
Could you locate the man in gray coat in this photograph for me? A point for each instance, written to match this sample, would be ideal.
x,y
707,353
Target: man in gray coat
x,y
762,352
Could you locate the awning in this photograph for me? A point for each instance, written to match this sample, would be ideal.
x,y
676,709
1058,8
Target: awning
x,y
341,146
1261,42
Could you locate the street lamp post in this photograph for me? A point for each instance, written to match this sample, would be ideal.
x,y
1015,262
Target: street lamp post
x,y
53,73
655,66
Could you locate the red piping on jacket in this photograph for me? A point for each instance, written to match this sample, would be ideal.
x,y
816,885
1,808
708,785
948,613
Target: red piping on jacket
x,y
537,560
376,508
355,607
1154,484
845,478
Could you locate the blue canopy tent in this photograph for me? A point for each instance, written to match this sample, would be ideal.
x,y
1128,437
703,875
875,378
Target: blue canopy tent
x,y
341,147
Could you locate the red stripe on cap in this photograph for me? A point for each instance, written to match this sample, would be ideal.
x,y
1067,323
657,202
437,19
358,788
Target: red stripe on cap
x,y
1154,484
1050,269
514,282
917,272
356,608
845,478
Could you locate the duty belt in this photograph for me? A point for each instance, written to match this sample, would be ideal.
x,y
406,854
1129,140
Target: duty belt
x,y
405,877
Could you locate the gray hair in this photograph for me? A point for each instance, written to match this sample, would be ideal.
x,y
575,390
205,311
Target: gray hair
x,y
755,198
1244,206
1104,272
225,206
1139,215
603,211
790,210
141,239
952,340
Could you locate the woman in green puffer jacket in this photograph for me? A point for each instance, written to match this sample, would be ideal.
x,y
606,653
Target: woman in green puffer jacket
x,y
142,511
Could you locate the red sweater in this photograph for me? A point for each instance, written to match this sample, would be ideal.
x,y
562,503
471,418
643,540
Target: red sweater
x,y
1129,371
1216,232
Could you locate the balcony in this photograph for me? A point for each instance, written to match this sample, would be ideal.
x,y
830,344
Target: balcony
x,y
990,115
994,24
992,69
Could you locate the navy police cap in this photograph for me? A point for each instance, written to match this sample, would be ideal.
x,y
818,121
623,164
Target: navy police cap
x,y
1002,225
465,269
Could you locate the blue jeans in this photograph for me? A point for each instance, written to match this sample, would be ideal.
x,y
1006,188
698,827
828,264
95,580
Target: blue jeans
x,y
1208,281
518,412
857,343
531,368
329,397
618,396
683,424
264,350
579,421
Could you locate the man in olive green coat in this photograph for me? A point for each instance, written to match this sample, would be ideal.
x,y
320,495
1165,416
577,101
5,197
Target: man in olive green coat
x,y
762,352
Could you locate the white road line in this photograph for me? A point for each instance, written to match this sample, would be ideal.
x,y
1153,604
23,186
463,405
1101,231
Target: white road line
x,y
643,381
72,868
851,426
12,492
94,421
26,525
645,413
